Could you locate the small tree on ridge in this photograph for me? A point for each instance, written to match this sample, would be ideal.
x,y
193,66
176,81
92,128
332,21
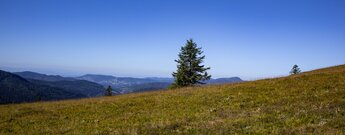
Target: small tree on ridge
x,y
295,70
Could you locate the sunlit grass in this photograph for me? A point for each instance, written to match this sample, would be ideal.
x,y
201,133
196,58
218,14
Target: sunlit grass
x,y
311,102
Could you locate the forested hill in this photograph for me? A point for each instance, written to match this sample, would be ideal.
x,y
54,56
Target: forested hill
x,y
15,89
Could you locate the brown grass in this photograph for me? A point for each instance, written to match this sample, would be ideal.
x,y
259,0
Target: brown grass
x,y
311,102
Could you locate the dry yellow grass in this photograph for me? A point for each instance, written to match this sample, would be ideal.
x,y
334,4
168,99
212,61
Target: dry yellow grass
x,y
311,102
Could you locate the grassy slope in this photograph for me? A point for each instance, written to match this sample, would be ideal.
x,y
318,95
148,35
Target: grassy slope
x,y
309,102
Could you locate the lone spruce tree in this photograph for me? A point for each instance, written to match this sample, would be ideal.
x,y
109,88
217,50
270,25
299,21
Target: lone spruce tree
x,y
109,91
190,70
295,70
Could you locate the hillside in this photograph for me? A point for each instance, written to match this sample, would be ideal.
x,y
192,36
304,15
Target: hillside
x,y
43,77
85,88
15,89
311,102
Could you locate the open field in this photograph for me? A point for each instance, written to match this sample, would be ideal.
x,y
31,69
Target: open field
x,y
311,102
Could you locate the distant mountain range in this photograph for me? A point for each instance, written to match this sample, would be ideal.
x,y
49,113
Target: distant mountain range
x,y
15,89
43,77
30,86
129,85
224,80
87,88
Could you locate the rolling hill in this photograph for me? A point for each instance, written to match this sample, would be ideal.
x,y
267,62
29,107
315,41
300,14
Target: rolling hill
x,y
307,103
43,77
85,88
15,89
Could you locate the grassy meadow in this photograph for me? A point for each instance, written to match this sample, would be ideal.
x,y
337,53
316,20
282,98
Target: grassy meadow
x,y
310,102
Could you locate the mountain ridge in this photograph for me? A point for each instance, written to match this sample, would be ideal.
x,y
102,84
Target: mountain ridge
x,y
120,85
40,76
131,84
15,89
87,88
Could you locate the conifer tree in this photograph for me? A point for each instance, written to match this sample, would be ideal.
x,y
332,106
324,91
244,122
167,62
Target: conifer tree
x,y
295,70
190,70
109,91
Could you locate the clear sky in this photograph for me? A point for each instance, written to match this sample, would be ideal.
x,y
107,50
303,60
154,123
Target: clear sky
x,y
141,38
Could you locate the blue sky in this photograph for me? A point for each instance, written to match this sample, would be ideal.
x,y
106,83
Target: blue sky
x,y
141,38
